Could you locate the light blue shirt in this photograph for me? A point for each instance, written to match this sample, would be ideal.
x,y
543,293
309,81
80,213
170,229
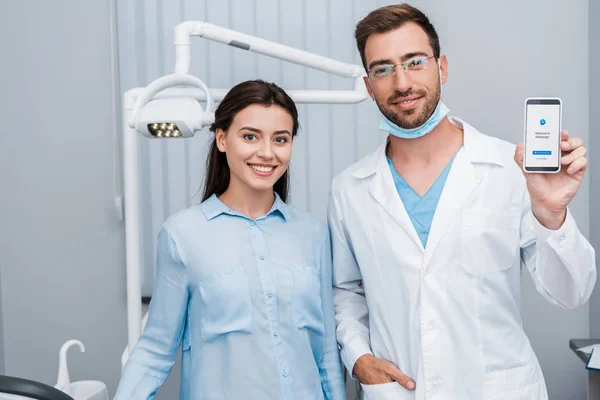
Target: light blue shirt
x,y
420,209
256,296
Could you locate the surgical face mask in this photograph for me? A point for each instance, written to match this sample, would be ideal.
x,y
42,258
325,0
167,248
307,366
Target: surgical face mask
x,y
434,120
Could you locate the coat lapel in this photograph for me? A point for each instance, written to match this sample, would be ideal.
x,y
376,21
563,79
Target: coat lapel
x,y
460,185
383,190
466,174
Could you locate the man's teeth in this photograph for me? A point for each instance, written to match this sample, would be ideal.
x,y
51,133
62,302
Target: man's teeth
x,y
407,101
262,169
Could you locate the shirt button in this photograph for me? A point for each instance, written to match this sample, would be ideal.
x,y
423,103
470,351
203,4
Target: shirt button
x,y
431,326
284,373
252,223
276,333
269,295
262,257
426,274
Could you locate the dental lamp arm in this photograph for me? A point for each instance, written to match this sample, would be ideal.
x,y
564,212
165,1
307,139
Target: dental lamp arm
x,y
185,30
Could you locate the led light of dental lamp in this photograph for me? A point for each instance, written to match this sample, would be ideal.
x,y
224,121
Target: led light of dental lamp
x,y
173,117
170,118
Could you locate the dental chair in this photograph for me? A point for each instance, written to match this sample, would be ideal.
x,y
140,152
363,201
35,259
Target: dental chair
x,y
12,388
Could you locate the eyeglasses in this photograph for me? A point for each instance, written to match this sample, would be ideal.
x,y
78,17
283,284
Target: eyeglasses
x,y
387,70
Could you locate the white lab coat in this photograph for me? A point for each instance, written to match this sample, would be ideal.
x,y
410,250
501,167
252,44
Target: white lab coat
x,y
449,315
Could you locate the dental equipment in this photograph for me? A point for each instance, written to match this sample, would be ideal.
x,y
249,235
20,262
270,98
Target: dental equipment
x,y
14,388
80,390
163,109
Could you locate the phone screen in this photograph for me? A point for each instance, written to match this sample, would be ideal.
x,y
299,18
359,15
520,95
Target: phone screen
x,y
542,135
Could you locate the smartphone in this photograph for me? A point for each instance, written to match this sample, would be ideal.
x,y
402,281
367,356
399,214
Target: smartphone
x,y
543,124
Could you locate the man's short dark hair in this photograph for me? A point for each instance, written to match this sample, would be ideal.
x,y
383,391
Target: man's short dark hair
x,y
389,18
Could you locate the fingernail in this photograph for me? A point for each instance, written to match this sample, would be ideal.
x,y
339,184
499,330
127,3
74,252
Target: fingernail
x,y
411,385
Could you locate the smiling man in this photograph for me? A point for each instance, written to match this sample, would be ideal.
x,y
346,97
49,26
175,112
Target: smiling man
x,y
429,232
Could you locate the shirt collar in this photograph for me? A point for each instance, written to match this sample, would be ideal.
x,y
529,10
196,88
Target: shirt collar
x,y
213,207
479,148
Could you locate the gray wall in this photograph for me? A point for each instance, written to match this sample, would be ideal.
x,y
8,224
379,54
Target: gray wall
x,y
594,146
62,249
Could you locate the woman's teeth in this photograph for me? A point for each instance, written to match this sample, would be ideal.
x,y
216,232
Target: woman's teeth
x,y
262,169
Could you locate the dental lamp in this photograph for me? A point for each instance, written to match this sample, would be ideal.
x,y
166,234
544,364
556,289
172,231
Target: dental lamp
x,y
169,108
178,117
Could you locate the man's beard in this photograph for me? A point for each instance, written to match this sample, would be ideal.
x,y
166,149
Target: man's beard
x,y
407,119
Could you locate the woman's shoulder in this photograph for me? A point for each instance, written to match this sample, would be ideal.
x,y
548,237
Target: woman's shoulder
x,y
306,221
185,219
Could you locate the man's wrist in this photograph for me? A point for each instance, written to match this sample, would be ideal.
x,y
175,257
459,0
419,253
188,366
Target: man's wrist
x,y
549,219
354,349
359,362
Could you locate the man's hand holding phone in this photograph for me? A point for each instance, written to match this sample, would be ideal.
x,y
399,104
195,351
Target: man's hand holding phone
x,y
551,193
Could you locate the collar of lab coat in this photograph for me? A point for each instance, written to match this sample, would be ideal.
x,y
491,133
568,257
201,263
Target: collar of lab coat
x,y
479,149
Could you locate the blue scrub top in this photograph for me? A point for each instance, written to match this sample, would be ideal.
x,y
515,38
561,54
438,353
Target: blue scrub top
x,y
420,209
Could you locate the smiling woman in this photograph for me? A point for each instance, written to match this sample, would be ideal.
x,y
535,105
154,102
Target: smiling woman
x,y
254,128
243,277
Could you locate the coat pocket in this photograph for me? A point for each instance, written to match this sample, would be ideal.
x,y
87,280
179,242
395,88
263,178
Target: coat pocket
x,y
519,383
386,391
490,241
